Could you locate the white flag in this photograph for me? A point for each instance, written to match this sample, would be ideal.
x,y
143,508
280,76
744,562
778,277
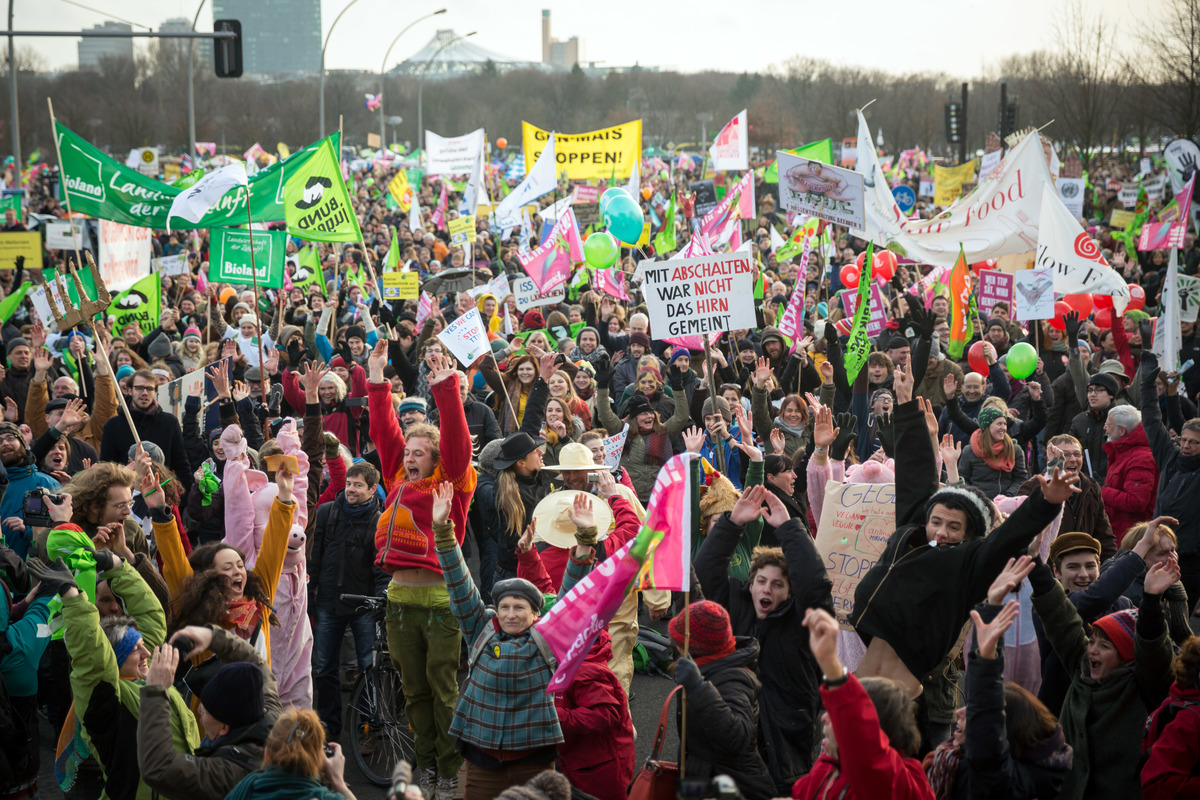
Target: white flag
x,y
1077,261
538,181
194,203
634,187
471,199
777,242
1168,339
731,149
414,216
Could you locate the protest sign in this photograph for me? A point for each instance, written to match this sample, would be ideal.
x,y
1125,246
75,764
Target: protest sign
x,y
1120,218
948,182
466,338
529,296
497,286
1128,194
819,190
594,155
1154,187
1189,297
173,395
229,257
462,229
925,188
452,155
856,521
989,162
700,295
585,193
849,152
424,308
704,196
60,237
20,243
994,287
587,213
171,265
400,285
125,253
1071,191
614,446
1033,294
878,317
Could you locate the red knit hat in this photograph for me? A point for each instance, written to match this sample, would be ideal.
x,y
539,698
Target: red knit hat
x,y
1119,629
710,629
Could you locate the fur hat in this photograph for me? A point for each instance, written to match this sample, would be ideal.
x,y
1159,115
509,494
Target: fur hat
x,y
981,513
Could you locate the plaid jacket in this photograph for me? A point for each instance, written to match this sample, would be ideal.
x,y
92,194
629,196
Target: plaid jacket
x,y
504,705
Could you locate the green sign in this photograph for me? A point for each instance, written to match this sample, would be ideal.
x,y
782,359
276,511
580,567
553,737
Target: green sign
x,y
100,187
229,257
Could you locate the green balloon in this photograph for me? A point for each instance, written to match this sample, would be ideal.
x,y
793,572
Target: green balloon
x,y
600,250
662,173
1021,361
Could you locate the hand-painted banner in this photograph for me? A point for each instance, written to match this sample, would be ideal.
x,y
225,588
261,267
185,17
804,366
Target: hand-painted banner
x,y
594,155
856,521
1033,294
994,287
614,446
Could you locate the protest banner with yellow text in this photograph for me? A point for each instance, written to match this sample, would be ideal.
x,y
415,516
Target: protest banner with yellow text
x,y
588,156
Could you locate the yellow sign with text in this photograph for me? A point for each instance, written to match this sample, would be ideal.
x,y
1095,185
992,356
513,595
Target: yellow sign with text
x,y
400,285
606,153
24,243
462,229
948,182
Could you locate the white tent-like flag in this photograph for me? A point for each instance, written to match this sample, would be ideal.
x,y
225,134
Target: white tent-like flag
x,y
1168,339
634,187
538,181
194,203
414,216
1077,261
731,149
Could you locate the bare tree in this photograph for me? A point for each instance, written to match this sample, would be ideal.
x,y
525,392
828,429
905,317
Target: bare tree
x,y
1168,64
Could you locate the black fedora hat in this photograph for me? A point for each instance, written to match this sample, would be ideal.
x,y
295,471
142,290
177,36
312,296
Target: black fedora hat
x,y
515,447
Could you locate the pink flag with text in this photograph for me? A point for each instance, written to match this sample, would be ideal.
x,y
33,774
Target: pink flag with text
x,y
551,262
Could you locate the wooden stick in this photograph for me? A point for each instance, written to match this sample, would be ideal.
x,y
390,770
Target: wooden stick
x,y
507,399
719,449
262,364
687,641
62,181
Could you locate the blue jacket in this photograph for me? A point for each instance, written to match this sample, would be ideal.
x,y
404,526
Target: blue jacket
x,y
21,478
733,456
28,637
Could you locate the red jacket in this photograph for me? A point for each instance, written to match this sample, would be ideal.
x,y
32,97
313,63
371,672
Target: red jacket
x,y
1169,770
335,422
1131,483
868,767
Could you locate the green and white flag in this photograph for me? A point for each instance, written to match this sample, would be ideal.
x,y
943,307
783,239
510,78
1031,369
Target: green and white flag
x,y
229,257
316,204
664,240
140,303
308,269
392,262
859,346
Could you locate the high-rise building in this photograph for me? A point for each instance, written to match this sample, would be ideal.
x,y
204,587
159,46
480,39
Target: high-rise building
x,y
92,49
181,25
278,36
558,55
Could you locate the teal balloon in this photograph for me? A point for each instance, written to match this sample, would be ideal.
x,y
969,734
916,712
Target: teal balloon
x,y
601,250
1022,360
609,194
623,218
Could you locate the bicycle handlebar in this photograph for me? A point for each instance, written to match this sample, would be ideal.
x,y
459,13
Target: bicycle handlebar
x,y
362,598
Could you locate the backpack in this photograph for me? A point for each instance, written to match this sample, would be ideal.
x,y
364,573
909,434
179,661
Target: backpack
x,y
1158,722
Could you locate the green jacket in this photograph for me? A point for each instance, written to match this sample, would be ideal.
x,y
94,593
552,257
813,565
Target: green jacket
x,y
69,542
641,471
107,705
1100,717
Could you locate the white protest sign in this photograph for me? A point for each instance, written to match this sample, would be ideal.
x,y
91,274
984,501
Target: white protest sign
x,y
452,155
856,521
1189,297
528,296
1033,294
171,265
59,236
497,286
989,162
173,395
820,190
1128,194
1071,191
699,295
466,337
925,188
614,446
125,254
1154,187
41,306
424,308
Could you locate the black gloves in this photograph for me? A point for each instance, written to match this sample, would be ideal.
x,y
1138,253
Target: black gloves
x,y
841,443
105,560
886,430
1146,328
675,377
1072,323
295,354
604,372
55,580
921,321
687,674
831,334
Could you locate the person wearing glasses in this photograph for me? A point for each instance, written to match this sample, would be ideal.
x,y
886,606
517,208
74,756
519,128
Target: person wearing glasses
x,y
152,425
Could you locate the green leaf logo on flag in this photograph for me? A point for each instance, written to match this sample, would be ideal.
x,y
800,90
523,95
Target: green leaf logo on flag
x,y
316,204
859,345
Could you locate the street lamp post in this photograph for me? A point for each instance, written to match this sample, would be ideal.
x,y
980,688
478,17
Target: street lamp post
x,y
383,66
192,87
323,46
421,87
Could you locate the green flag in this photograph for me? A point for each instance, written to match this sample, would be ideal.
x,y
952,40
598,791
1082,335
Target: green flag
x,y
189,179
664,240
85,277
817,151
140,303
316,204
10,304
392,262
308,269
858,347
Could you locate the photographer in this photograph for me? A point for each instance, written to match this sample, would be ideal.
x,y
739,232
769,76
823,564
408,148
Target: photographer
x,y
23,475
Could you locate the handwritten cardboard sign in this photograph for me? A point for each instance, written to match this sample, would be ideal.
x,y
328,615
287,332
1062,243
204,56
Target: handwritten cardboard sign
x,y
856,521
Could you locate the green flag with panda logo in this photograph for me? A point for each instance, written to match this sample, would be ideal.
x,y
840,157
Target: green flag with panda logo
x,y
316,204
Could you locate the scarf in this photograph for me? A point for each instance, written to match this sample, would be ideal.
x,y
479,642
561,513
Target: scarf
x,y
658,445
994,458
209,484
797,431
727,650
576,355
941,766
243,617
585,394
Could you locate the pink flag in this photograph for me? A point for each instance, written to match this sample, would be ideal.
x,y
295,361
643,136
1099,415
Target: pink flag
x,y
424,308
439,213
611,281
790,324
741,197
694,341
550,263
1169,230
669,566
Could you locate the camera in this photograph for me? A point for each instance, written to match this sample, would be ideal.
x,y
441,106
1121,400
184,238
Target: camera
x,y
328,750
184,645
35,510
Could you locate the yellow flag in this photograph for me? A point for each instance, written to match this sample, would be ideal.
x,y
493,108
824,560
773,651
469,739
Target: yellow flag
x,y
283,150
401,191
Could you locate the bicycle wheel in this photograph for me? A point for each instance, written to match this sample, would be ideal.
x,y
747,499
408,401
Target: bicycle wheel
x,y
377,716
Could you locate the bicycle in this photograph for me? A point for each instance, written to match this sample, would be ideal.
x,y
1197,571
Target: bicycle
x,y
376,713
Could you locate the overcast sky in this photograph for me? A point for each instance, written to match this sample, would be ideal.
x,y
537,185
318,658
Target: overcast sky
x,y
955,36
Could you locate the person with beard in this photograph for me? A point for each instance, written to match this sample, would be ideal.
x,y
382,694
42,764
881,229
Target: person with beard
x,y
17,376
766,609
625,371
152,425
23,476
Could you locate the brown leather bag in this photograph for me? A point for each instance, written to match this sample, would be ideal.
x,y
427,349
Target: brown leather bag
x,y
657,780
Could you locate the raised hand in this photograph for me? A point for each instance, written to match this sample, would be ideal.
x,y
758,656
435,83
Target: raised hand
x,y
229,349
164,662
441,367
823,431
219,375
1014,572
1035,390
377,361
271,360
931,421
11,413
443,497
547,365
776,512
37,337
1058,488
822,641
762,373
693,439
525,543
778,442
286,482
1162,576
580,512
950,385
989,635
606,485
72,416
989,352
311,376
902,382
826,370
951,450
748,507
43,360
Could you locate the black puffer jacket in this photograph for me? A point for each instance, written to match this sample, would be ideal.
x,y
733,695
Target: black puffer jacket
x,y
790,677
342,560
722,721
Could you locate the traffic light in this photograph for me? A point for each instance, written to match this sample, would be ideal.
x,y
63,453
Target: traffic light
x,y
1008,119
954,132
227,53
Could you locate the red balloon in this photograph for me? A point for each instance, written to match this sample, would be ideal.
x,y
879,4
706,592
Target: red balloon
x,y
1103,317
1102,301
849,275
976,359
883,267
1081,303
1061,309
502,143
1137,297
858,262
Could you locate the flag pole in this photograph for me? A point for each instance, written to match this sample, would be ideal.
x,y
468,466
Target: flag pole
x,y
262,365
507,399
719,450
687,641
62,181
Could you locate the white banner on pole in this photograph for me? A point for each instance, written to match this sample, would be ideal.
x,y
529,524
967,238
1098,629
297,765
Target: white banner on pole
x,y
125,253
452,155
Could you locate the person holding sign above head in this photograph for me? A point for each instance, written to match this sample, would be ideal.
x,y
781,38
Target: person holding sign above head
x,y
946,551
